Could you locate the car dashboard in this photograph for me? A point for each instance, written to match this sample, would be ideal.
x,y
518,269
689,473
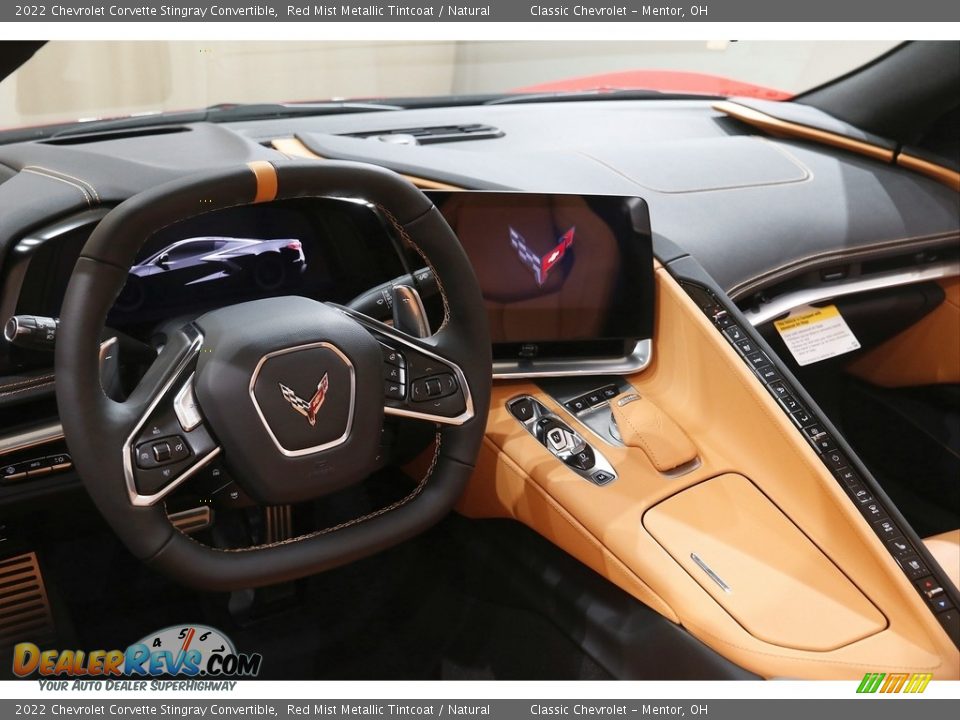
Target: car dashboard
x,y
641,427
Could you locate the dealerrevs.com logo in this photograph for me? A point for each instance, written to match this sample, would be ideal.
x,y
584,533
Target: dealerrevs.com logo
x,y
191,651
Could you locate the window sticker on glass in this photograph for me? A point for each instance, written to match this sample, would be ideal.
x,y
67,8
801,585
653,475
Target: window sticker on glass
x,y
813,334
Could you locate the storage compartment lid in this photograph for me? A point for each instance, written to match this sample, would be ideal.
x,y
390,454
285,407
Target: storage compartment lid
x,y
760,567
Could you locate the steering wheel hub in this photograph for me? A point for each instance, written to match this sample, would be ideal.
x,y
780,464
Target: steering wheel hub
x,y
283,383
318,383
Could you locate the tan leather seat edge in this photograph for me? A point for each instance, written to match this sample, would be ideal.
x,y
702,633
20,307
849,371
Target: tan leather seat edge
x,y
945,549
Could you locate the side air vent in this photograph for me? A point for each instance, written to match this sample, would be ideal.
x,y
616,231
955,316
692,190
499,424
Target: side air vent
x,y
432,135
24,607
83,138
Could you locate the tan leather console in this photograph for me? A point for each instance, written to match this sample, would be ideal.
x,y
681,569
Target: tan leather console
x,y
755,563
869,617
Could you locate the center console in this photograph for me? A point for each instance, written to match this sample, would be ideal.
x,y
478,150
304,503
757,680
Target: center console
x,y
724,501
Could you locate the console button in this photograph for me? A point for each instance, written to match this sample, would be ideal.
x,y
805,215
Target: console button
x,y
735,333
779,389
790,403
899,547
913,566
823,444
60,462
522,409
746,346
758,359
576,405
847,476
873,511
801,417
835,459
610,391
885,529
860,494
721,318
940,603
582,460
950,620
768,374
594,398
929,586
601,477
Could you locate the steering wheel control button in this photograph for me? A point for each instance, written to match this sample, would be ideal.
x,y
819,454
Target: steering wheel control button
x,y
394,391
161,452
392,373
393,357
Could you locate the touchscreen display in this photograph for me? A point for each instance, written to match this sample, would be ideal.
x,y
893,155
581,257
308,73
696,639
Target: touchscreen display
x,y
560,274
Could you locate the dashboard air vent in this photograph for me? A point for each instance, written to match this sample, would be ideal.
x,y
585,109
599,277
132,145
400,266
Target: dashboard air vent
x,y
105,135
432,135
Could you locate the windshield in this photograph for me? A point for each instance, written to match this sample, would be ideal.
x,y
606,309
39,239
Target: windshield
x,y
68,81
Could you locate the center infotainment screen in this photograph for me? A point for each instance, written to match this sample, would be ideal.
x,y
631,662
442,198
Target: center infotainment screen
x,y
561,275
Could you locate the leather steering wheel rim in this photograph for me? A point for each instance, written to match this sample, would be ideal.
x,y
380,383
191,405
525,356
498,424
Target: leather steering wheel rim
x,y
96,426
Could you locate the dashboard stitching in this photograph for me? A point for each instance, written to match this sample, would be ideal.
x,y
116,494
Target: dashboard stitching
x,y
86,195
4,393
423,256
39,380
806,176
60,173
349,523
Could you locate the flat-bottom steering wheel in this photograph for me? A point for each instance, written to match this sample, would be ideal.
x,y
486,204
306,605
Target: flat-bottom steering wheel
x,y
287,391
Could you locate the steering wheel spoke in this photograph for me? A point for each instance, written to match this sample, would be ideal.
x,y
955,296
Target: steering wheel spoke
x,y
169,443
419,382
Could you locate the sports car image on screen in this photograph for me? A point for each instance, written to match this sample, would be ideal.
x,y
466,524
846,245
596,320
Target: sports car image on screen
x,y
481,360
266,264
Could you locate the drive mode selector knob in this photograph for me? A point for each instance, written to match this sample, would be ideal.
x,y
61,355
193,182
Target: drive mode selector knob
x,y
562,441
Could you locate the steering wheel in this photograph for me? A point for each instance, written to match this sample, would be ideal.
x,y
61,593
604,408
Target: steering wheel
x,y
288,392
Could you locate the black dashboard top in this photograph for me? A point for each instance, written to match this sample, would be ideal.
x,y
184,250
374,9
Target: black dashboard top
x,y
750,209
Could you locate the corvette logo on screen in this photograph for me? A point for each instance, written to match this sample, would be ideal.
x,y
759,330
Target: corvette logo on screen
x,y
307,409
541,266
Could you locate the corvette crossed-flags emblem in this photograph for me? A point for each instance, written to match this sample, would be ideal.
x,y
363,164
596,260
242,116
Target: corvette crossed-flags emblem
x,y
307,408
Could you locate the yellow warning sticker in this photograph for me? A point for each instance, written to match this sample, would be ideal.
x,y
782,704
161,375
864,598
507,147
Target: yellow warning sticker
x,y
814,334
